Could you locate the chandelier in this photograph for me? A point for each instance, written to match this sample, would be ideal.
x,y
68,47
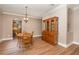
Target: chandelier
x,y
26,16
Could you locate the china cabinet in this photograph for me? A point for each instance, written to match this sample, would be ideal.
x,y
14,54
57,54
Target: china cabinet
x,y
50,32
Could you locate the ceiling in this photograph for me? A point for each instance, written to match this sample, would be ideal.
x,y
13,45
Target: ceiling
x,y
73,6
35,10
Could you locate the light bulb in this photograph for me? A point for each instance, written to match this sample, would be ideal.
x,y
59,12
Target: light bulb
x,y
24,18
27,18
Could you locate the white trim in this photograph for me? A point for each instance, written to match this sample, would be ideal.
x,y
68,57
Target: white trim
x,y
15,14
37,35
69,44
64,45
77,43
7,38
3,39
8,13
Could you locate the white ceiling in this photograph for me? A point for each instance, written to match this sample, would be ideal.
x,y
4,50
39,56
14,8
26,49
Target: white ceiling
x,y
73,6
35,10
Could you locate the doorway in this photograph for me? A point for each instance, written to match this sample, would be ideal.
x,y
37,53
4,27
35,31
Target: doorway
x,y
16,27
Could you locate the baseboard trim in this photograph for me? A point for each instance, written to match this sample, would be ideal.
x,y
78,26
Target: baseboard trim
x,y
64,45
37,35
3,39
10,38
76,43
68,45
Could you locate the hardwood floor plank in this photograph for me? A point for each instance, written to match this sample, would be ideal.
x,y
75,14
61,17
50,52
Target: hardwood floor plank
x,y
39,47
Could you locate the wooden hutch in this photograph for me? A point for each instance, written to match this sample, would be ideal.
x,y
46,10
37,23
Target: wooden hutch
x,y
50,32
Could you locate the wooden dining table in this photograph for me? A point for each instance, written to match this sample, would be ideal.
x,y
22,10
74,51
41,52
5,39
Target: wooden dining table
x,y
25,38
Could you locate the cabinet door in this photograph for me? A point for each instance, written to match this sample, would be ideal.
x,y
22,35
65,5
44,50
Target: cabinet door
x,y
43,37
52,25
51,30
47,25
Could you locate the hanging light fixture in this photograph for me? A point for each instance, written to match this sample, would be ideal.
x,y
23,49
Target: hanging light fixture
x,y
26,16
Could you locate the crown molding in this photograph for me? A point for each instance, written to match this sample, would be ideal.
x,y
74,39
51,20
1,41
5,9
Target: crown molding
x,y
9,13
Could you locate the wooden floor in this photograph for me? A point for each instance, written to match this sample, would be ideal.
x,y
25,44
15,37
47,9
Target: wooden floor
x,y
39,47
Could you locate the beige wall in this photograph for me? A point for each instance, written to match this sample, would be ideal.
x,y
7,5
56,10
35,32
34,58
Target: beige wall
x,y
70,26
34,25
61,12
76,26
7,25
0,25
31,25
